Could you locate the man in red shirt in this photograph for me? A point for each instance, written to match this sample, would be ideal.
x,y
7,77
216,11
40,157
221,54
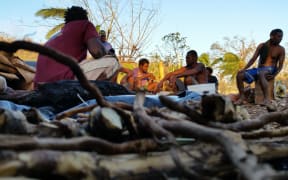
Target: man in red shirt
x,y
76,37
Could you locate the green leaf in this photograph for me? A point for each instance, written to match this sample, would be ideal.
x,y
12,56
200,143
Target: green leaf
x,y
204,58
51,13
54,30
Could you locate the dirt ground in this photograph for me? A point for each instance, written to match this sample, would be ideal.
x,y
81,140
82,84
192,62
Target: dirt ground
x,y
257,110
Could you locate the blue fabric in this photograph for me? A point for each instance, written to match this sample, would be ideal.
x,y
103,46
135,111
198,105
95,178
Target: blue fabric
x,y
47,112
150,101
251,75
12,106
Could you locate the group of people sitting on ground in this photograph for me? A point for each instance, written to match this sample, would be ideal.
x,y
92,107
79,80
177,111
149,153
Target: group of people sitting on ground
x,y
193,73
85,37
79,35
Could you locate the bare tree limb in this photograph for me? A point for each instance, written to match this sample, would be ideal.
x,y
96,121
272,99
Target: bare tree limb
x,y
61,58
247,125
183,108
279,132
232,143
71,112
148,124
86,143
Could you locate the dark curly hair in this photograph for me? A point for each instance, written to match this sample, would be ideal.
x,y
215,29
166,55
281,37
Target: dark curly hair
x,y
192,52
143,61
209,69
75,13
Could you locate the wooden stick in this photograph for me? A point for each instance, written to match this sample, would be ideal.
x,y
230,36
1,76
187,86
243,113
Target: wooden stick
x,y
184,108
61,58
86,143
147,123
232,143
279,132
247,125
73,111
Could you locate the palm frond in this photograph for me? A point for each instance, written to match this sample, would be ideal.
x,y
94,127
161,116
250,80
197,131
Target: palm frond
x,y
230,65
231,57
216,61
51,13
204,58
54,30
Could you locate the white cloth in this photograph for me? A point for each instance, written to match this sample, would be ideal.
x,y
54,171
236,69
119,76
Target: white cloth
x,y
100,69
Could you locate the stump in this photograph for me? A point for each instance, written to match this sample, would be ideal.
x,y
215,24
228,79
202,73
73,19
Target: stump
x,y
259,93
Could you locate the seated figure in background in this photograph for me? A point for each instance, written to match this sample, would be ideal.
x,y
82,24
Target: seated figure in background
x,y
194,73
140,78
271,59
108,47
76,37
212,78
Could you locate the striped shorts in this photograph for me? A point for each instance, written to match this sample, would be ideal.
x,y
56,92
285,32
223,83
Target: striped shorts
x,y
252,74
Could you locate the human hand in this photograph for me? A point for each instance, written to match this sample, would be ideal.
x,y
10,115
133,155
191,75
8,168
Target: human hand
x,y
151,76
158,87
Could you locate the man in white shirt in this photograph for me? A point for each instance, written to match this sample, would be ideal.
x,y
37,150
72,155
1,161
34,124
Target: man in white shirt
x,y
107,45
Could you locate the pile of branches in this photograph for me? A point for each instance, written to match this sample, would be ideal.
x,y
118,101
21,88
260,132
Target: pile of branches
x,y
17,73
189,140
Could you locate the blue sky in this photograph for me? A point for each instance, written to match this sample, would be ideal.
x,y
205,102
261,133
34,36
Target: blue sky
x,y
203,22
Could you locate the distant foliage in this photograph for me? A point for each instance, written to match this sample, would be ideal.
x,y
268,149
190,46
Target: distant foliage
x,y
174,48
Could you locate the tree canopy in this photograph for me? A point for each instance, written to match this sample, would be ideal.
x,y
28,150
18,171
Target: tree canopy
x,y
128,24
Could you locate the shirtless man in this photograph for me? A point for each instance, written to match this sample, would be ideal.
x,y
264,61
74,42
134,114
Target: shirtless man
x,y
140,78
193,73
270,63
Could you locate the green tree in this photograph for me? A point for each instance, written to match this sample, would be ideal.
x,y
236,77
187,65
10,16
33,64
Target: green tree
x,y
209,62
230,65
233,54
173,49
56,14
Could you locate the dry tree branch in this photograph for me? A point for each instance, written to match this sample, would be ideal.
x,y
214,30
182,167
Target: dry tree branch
x,y
86,143
232,143
189,173
73,111
164,115
247,125
66,60
183,108
123,106
279,132
160,134
61,58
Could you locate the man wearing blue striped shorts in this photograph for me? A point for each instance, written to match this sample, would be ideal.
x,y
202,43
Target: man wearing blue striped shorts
x,y
271,59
